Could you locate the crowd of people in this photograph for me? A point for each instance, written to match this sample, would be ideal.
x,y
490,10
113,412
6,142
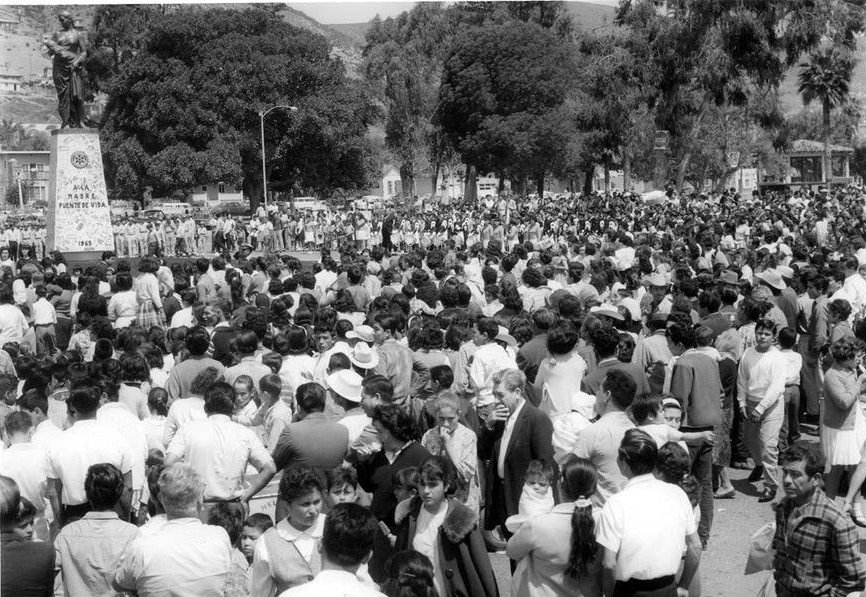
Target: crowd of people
x,y
565,381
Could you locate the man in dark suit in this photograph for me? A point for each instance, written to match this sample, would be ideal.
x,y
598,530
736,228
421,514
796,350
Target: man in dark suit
x,y
314,440
397,434
514,434
604,342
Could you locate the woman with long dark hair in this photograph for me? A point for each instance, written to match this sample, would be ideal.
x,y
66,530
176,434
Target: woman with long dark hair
x,y
557,552
447,532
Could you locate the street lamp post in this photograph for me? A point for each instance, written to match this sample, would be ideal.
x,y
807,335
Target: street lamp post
x,y
262,114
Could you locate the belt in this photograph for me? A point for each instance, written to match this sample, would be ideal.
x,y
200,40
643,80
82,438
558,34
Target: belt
x,y
648,584
230,501
43,325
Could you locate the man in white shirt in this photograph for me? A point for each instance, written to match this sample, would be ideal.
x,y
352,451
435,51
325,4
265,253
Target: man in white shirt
x,y
85,443
220,450
117,416
183,558
27,464
760,394
346,544
646,528
488,359
35,403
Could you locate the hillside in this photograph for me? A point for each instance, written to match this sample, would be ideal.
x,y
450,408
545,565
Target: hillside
x,y
590,16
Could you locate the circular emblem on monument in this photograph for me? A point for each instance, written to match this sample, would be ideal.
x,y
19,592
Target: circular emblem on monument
x,y
79,159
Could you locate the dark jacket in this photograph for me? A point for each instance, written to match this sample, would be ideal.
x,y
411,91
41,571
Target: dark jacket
x,y
530,440
461,551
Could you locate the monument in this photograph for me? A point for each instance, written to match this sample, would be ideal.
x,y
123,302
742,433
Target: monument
x,y
78,218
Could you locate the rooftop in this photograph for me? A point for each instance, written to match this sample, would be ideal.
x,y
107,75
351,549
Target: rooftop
x,y
808,146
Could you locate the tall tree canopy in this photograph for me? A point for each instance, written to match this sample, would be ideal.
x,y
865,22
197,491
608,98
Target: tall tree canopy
x,y
403,63
185,109
706,55
502,97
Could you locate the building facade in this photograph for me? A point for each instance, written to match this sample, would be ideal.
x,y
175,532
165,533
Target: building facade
x,y
29,169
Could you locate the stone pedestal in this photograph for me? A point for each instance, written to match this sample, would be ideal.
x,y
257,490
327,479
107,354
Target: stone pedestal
x,y
78,218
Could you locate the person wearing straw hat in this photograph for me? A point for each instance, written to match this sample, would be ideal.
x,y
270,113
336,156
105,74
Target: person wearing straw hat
x,y
345,389
363,358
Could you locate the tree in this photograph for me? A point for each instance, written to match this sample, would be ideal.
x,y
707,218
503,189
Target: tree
x,y
826,78
501,97
14,136
116,36
403,61
709,54
12,196
185,109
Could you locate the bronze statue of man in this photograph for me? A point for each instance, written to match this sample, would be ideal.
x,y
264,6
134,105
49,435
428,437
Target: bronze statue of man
x,y
68,47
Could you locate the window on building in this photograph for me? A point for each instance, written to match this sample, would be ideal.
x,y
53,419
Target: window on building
x,y
390,187
221,188
204,188
806,169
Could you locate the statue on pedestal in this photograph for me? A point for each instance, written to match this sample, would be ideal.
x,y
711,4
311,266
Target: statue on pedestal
x,y
68,47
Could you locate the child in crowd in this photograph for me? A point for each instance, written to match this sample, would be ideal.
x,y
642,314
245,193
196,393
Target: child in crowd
x,y
246,401
537,495
254,527
342,485
651,412
274,412
231,518
405,485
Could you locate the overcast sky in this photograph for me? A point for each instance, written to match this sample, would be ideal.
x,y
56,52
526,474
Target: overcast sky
x,y
351,11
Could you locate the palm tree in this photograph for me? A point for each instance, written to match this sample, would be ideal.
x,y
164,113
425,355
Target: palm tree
x,y
826,78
